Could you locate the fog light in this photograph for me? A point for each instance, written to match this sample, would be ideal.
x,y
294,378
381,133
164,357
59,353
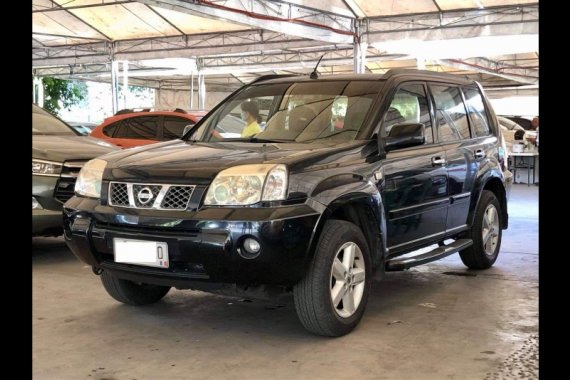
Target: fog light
x,y
251,245
35,204
249,249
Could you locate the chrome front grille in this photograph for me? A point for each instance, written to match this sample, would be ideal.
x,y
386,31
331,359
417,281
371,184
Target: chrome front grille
x,y
149,196
71,169
118,194
177,197
66,184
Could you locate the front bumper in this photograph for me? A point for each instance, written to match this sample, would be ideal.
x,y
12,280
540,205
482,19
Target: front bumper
x,y
203,245
46,222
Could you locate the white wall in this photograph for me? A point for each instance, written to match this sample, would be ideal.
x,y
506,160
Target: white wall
x,y
169,99
515,105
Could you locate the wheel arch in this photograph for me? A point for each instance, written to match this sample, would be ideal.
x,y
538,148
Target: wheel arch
x,y
495,185
366,211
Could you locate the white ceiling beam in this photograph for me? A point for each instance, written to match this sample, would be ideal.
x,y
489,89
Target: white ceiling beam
x,y
354,8
287,18
191,46
301,59
486,66
455,24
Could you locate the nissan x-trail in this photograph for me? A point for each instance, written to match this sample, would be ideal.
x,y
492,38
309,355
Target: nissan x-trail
x,y
332,180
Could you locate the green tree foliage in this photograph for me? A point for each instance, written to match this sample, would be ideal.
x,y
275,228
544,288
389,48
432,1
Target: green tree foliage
x,y
60,93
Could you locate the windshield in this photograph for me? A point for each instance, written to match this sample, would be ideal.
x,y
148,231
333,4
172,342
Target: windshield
x,y
43,123
292,112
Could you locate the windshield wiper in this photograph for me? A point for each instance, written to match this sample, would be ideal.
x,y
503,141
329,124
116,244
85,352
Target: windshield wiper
x,y
258,140
254,140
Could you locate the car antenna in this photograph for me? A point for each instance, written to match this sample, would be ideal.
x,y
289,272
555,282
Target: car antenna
x,y
315,74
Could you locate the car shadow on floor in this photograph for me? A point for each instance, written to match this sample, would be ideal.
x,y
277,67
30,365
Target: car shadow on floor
x,y
50,249
198,314
198,311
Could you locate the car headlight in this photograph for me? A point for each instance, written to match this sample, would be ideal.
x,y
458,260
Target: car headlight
x,y
35,204
248,184
89,179
48,168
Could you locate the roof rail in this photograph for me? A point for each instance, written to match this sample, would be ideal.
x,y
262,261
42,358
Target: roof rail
x,y
434,74
272,76
132,110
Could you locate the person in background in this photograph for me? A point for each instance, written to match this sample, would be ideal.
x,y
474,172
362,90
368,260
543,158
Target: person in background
x,y
250,114
338,122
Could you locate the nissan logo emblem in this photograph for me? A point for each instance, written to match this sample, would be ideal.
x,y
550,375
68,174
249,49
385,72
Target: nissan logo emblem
x,y
145,195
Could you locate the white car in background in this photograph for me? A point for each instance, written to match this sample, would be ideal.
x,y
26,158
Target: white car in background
x,y
509,124
83,128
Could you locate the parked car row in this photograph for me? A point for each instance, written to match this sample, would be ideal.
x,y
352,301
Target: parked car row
x,y
136,128
60,149
58,153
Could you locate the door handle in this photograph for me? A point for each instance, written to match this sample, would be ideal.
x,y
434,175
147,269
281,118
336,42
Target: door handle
x,y
479,153
438,161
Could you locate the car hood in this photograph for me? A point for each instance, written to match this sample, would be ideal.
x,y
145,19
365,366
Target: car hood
x,y
64,148
180,161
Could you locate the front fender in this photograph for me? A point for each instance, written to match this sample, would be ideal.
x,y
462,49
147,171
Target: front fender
x,y
345,192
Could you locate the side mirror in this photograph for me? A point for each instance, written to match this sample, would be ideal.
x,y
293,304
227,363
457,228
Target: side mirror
x,y
187,128
405,135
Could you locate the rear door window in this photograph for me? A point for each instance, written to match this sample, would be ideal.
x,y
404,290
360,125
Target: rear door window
x,y
476,109
450,113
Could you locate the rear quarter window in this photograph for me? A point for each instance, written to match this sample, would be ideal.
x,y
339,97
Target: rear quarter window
x,y
110,129
476,109
450,113
142,127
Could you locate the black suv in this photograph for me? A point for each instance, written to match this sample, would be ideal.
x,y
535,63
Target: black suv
x,y
344,176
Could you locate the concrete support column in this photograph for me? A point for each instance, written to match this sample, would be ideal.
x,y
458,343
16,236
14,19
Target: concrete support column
x,y
192,91
360,48
115,85
38,91
125,83
201,91
421,63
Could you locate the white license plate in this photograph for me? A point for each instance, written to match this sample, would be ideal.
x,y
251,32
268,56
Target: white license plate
x,y
141,252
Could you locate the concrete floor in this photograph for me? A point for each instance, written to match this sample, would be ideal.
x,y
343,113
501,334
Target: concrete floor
x,y
437,321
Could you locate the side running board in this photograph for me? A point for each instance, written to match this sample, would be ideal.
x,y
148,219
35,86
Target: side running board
x,y
397,263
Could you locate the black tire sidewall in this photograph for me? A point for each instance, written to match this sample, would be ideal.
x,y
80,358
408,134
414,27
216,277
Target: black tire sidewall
x,y
130,293
475,256
323,261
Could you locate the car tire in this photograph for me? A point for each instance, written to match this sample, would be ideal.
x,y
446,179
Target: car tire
x,y
335,271
131,293
486,233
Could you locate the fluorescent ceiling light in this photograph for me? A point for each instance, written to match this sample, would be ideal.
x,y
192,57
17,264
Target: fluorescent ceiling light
x,y
182,66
